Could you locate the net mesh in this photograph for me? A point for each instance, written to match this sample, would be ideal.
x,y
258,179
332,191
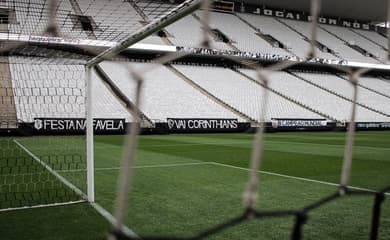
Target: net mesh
x,y
153,9
32,175
250,194
43,86
48,170
107,20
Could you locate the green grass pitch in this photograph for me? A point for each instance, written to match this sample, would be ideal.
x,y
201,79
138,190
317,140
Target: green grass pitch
x,y
187,183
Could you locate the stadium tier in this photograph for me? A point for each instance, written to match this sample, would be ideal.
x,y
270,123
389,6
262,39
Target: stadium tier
x,y
366,97
58,91
181,35
166,95
318,98
373,37
241,35
182,91
353,39
379,85
295,42
331,41
114,20
111,21
242,93
30,17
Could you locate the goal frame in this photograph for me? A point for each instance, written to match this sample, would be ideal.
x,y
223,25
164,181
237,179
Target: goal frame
x,y
175,14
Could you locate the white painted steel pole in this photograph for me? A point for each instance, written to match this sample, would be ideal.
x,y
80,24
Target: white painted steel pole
x,y
90,148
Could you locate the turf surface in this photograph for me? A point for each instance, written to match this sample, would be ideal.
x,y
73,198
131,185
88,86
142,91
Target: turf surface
x,y
186,183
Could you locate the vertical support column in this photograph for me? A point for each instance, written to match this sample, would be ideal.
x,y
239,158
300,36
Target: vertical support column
x,y
90,148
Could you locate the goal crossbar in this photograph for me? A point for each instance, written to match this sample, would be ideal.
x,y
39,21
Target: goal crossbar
x,y
175,14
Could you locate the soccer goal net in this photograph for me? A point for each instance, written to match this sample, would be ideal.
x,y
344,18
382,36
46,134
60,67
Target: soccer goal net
x,y
46,106
46,95
43,170
210,39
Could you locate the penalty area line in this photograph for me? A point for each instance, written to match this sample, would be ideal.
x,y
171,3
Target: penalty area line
x,y
142,166
53,172
293,177
231,166
43,206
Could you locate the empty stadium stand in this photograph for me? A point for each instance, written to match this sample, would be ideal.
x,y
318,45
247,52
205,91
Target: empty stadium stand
x,y
30,18
318,98
379,85
211,92
182,35
340,86
294,42
166,95
242,93
29,90
77,19
353,38
241,35
329,40
245,32
58,91
372,36
115,22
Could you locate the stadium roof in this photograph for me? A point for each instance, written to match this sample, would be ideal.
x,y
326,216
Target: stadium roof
x,y
373,10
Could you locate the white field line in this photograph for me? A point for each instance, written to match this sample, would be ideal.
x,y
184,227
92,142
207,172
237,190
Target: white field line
x,y
42,206
48,168
96,206
176,145
239,168
141,166
111,219
293,177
